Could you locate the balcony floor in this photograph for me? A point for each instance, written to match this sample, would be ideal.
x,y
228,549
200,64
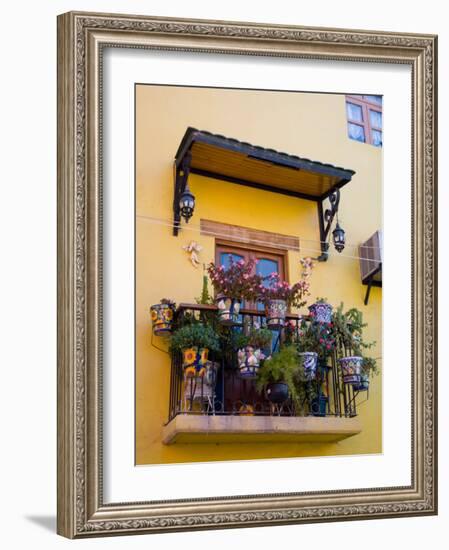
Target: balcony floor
x,y
191,428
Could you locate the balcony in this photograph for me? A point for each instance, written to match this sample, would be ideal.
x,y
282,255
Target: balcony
x,y
224,407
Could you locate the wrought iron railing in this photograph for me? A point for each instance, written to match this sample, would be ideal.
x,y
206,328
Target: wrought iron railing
x,y
222,391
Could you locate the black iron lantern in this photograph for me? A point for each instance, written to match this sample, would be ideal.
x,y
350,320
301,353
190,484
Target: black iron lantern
x,y
187,204
338,235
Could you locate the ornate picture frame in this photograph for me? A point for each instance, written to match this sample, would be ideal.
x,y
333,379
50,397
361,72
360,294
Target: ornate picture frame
x,y
82,38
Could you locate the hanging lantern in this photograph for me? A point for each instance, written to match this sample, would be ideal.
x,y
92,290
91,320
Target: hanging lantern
x,y
338,235
186,204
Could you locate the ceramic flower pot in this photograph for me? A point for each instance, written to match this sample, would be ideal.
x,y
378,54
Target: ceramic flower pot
x,y
246,410
228,310
249,359
364,383
351,369
321,312
194,361
162,318
275,312
277,392
309,361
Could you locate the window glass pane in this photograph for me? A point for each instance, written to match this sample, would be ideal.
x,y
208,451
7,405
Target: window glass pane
x,y
373,99
225,258
356,132
377,138
375,118
354,112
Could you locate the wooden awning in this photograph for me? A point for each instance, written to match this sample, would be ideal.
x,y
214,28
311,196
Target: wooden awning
x,y
229,159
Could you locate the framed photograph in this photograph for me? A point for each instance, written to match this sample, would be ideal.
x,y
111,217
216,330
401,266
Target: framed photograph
x,y
246,274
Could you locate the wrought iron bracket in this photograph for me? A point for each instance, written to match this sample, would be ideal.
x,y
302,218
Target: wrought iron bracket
x,y
181,174
370,282
325,219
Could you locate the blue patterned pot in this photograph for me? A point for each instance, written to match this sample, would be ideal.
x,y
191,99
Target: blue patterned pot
x,y
321,312
228,310
351,369
364,383
275,312
309,361
249,359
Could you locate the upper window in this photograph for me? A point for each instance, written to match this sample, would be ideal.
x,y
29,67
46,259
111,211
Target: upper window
x,y
364,115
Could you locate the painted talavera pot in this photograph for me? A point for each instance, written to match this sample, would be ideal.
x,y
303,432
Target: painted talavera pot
x,y
228,310
162,318
249,359
275,312
364,383
351,369
194,361
321,312
277,392
309,361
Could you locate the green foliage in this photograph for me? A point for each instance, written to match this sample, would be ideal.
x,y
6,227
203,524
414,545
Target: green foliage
x,y
285,366
260,338
194,335
348,329
205,297
317,337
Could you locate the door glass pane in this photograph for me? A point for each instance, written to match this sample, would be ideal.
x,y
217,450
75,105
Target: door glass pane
x,y
354,112
377,138
375,118
265,267
225,258
356,132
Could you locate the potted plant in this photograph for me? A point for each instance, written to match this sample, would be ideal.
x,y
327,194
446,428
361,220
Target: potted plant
x,y
162,315
369,368
194,341
321,311
233,285
315,343
280,378
256,348
279,296
348,330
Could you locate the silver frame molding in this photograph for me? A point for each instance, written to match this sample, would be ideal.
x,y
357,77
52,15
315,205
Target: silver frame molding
x,y
81,38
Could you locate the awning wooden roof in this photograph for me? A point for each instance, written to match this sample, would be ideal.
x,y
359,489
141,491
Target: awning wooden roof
x,y
229,159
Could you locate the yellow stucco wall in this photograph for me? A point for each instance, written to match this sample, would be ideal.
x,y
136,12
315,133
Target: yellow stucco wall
x,y
308,125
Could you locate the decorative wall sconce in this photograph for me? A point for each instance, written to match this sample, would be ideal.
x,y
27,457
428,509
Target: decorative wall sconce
x,y
338,235
186,203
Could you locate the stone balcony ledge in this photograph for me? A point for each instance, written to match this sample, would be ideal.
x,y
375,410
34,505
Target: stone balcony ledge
x,y
192,428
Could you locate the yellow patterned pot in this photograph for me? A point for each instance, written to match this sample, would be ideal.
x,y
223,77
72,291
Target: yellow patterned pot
x,y
194,361
162,318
